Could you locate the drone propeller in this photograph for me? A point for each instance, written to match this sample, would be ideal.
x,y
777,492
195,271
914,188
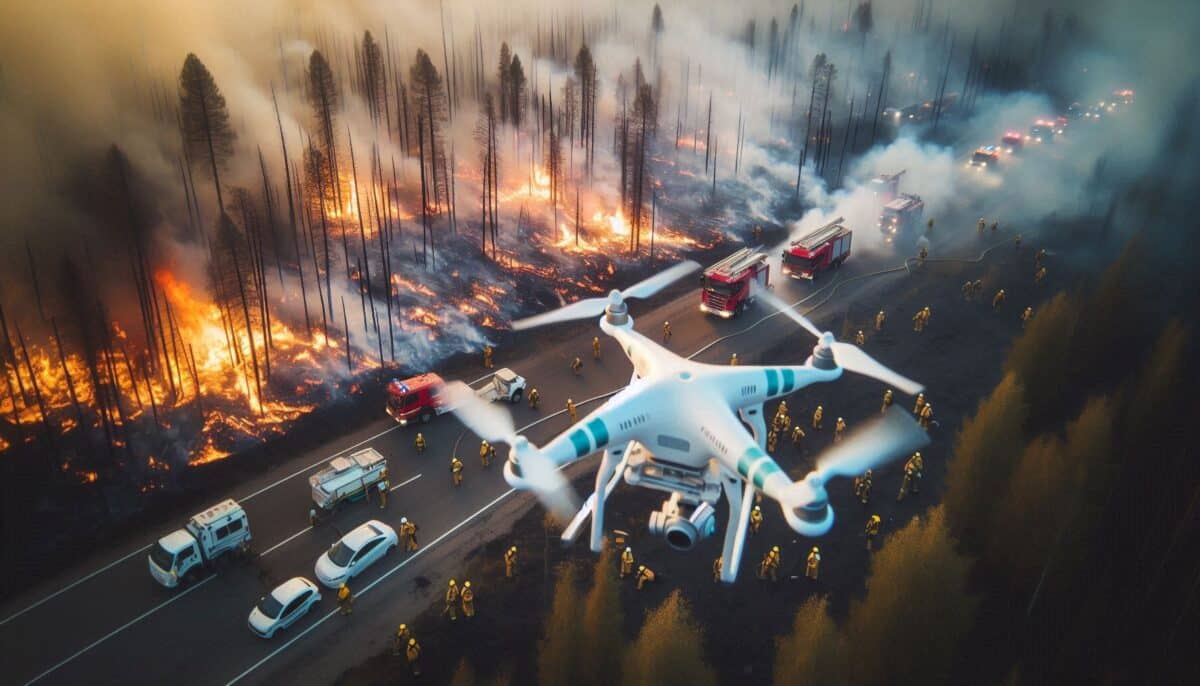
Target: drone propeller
x,y
594,307
496,425
870,446
847,355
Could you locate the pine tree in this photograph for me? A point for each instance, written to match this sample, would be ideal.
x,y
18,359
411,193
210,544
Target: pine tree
x,y
669,650
585,73
603,645
374,78
430,97
505,81
204,117
559,649
810,653
516,92
1040,358
917,581
463,674
323,95
985,453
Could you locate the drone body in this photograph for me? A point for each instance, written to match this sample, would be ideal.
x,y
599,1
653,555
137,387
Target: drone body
x,y
681,427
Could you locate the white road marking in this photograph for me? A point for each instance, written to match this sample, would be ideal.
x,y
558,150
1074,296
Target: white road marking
x,y
121,628
306,529
75,583
369,586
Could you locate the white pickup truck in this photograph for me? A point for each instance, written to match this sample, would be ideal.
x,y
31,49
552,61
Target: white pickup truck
x,y
347,477
206,536
505,384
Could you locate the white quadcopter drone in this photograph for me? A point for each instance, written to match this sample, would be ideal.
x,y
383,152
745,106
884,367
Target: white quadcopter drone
x,y
681,427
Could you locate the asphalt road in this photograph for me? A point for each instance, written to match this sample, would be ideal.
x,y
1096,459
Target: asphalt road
x,y
105,621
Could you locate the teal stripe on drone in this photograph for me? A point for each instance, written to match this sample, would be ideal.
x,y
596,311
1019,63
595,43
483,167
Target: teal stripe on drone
x,y
599,431
765,470
772,381
789,380
747,459
579,439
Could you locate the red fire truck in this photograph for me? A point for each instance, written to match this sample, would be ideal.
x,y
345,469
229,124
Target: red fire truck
x,y
901,217
726,288
820,249
418,399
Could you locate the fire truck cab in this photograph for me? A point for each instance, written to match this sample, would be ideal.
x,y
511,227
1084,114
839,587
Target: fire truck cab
x,y
984,157
727,287
1012,142
885,187
820,249
206,536
418,399
901,217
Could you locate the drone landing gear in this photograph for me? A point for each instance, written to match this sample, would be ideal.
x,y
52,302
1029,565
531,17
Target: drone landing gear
x,y
607,476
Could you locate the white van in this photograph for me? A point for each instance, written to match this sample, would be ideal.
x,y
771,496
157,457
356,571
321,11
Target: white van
x,y
347,477
206,536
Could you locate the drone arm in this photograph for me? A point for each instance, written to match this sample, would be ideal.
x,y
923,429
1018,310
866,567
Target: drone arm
x,y
748,386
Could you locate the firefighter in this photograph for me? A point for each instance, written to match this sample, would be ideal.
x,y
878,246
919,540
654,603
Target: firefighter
x,y
577,366
981,225
797,434
733,360
595,347
401,640
770,564
862,487
918,321
419,443
872,530
926,313
468,600
818,415
535,398
887,401
929,226
488,351
451,607
757,233
839,428
860,338
880,319
345,600
1017,241
756,519
413,653
644,576
510,562
409,531
384,484
486,453
456,469
1040,275
926,416
313,520
919,404
812,567
910,477
977,287
918,464
1026,315
998,299
783,420
626,562
666,331
571,410
717,564
995,226
923,254
966,290
772,439
1039,256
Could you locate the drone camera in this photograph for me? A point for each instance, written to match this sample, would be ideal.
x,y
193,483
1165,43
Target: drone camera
x,y
683,525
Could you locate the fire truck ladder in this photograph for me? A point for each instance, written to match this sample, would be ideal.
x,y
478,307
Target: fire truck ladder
x,y
819,236
736,263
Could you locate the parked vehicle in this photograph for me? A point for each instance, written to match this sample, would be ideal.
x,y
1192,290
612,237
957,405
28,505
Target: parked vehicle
x,y
1012,142
347,478
1042,131
206,536
505,385
984,157
727,287
820,249
417,399
354,552
901,217
280,608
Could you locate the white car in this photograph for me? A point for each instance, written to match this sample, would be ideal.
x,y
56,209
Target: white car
x,y
356,551
280,608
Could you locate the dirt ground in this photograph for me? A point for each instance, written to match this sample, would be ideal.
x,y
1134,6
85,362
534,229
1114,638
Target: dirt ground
x,y
958,358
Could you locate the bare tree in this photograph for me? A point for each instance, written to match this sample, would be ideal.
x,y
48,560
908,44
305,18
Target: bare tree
x,y
323,96
430,95
205,120
585,72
